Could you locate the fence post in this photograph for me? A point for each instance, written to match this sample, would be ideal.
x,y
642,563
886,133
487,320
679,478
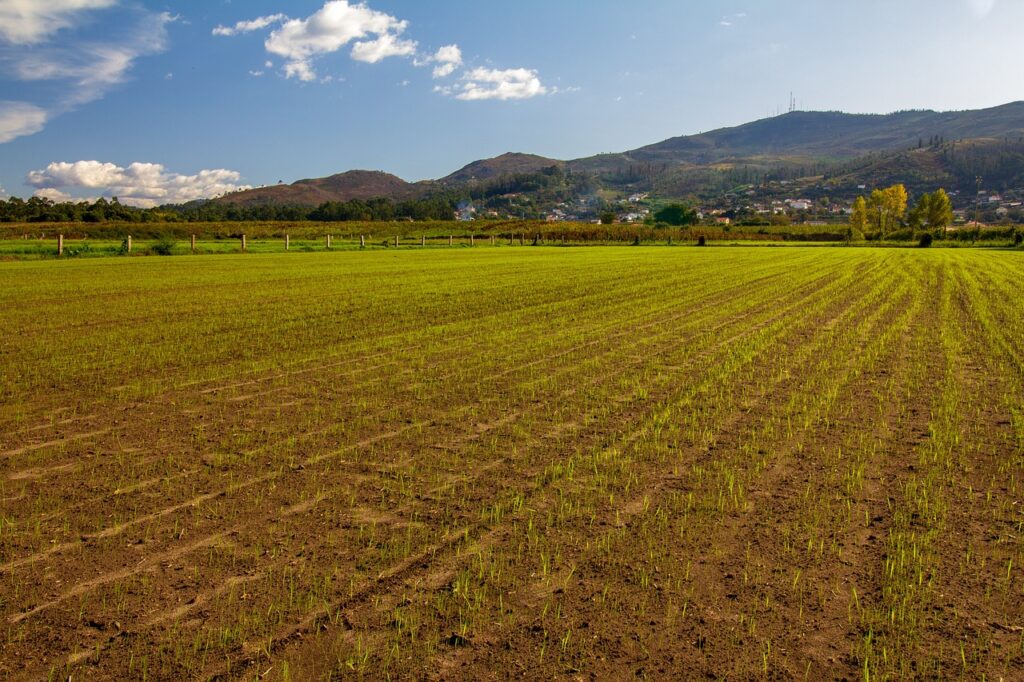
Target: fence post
x,y
193,243
423,240
471,242
362,242
243,242
492,240
129,243
450,238
287,242
396,241
60,245
328,241
522,239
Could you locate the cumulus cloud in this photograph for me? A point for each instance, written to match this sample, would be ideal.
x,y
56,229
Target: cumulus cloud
x,y
18,119
302,70
139,184
54,195
387,45
375,36
500,84
249,26
25,22
448,58
444,70
85,70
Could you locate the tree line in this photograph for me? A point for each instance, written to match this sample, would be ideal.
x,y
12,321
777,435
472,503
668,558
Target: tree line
x,y
41,210
885,211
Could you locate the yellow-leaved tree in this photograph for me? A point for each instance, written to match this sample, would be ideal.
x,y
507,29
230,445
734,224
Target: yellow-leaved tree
x,y
858,220
886,207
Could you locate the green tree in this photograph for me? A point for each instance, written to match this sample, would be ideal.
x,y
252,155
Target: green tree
x,y
676,214
938,213
915,216
932,212
608,218
858,220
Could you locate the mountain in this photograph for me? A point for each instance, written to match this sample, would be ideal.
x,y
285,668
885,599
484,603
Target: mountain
x,y
833,149
818,135
355,184
506,164
838,135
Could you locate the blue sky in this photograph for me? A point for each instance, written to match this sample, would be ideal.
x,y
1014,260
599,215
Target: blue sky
x,y
168,100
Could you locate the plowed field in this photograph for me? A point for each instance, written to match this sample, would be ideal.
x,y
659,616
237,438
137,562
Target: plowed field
x,y
723,463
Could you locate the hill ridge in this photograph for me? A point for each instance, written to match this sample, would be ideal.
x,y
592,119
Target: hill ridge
x,y
792,139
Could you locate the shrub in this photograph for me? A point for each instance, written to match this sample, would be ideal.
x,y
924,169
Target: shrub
x,y
1018,238
925,241
163,246
701,241
676,214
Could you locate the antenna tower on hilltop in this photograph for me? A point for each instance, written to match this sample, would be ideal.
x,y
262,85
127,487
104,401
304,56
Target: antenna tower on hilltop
x,y
792,103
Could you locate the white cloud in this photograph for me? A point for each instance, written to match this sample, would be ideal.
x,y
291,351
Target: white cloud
x,y
54,195
255,73
3,193
448,58
140,184
375,36
300,41
18,119
85,70
25,22
500,84
91,69
444,70
731,19
449,54
387,45
248,26
302,70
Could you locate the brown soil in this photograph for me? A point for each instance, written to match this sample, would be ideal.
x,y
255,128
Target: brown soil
x,y
710,488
